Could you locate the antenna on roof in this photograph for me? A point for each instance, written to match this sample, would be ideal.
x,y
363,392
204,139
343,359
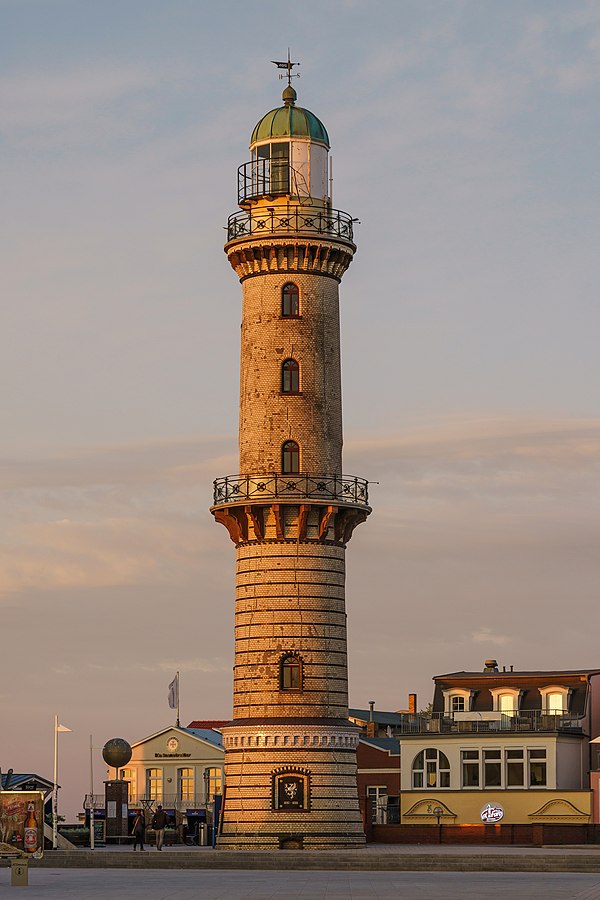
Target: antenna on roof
x,y
288,66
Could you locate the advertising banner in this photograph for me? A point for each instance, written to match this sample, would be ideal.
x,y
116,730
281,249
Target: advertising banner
x,y
22,822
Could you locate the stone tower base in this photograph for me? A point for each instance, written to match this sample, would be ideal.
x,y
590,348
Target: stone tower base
x,y
290,786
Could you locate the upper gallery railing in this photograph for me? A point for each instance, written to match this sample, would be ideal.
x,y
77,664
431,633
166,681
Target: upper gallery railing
x,y
297,218
345,489
264,178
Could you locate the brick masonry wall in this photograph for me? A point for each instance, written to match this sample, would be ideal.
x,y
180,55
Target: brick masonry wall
x,y
290,599
290,580
312,418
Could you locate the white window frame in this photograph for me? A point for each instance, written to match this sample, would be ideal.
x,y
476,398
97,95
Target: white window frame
x,y
187,779
466,694
528,762
438,770
545,693
152,782
499,692
130,775
378,792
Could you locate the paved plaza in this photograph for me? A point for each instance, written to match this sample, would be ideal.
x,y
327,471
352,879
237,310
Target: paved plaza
x,y
173,884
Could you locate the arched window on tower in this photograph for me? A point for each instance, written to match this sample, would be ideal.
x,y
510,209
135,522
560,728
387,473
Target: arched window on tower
x,y
290,458
290,377
290,301
290,673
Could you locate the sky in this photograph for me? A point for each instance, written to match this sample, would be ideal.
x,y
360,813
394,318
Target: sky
x,y
464,138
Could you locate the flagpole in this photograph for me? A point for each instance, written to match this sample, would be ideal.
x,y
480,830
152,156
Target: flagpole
x,y
178,699
55,792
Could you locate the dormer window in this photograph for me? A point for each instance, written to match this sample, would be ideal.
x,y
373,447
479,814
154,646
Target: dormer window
x,y
457,700
555,700
506,700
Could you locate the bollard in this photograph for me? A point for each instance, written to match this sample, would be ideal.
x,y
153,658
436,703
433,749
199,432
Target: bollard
x,y
19,872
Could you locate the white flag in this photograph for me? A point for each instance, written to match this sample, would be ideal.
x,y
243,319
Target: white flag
x,y
174,693
62,728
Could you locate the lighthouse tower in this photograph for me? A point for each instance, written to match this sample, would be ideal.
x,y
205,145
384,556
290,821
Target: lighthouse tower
x,y
290,752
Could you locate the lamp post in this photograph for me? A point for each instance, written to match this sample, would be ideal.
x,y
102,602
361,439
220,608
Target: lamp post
x,y
57,728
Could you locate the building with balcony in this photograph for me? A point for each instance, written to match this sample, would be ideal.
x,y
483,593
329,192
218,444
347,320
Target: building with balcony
x,y
516,743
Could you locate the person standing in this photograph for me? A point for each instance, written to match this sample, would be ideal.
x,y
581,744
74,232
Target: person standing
x,y
137,830
159,823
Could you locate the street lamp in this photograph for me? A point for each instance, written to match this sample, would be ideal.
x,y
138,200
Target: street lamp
x,y
57,729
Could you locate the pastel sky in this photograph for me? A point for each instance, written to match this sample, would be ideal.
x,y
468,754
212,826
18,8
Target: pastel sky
x,y
465,138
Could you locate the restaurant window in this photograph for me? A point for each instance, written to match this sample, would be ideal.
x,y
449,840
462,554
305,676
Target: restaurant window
x,y
129,775
515,768
213,780
470,768
492,768
154,784
537,768
185,784
431,769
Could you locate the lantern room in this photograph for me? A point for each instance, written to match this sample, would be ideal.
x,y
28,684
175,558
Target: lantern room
x,y
289,148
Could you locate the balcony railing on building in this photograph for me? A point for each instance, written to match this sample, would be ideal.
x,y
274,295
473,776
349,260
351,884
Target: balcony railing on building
x,y
345,489
332,223
490,721
168,801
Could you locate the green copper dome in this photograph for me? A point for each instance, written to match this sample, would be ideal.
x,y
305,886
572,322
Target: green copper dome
x,y
290,121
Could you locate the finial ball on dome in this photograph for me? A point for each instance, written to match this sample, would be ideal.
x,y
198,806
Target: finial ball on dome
x,y
289,95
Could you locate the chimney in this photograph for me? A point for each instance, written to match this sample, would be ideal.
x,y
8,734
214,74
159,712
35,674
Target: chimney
x,y
490,665
371,708
412,704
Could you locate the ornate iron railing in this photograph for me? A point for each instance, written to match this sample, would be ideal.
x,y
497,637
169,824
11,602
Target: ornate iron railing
x,y
345,489
330,222
264,178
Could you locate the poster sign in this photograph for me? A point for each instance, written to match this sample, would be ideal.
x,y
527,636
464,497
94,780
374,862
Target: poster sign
x,y
492,813
22,822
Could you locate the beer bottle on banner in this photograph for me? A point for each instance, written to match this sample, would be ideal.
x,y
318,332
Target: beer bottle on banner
x,y
31,830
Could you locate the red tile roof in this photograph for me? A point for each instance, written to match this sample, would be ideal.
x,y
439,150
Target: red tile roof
x,y
208,723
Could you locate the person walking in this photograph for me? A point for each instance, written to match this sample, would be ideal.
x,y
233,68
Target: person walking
x,y
137,830
159,823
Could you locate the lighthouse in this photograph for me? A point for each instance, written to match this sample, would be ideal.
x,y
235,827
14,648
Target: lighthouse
x,y
290,751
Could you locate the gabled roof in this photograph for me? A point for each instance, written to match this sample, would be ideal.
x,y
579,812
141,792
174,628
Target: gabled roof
x,y
390,745
208,723
382,718
17,781
207,735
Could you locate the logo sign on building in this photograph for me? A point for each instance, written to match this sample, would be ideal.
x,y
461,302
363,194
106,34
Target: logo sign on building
x,y
290,792
491,814
22,822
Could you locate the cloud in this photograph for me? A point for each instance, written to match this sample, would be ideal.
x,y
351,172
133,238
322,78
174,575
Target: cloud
x,y
487,636
138,514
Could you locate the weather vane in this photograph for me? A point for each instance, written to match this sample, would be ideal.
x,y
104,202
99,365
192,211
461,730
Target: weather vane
x,y
288,66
